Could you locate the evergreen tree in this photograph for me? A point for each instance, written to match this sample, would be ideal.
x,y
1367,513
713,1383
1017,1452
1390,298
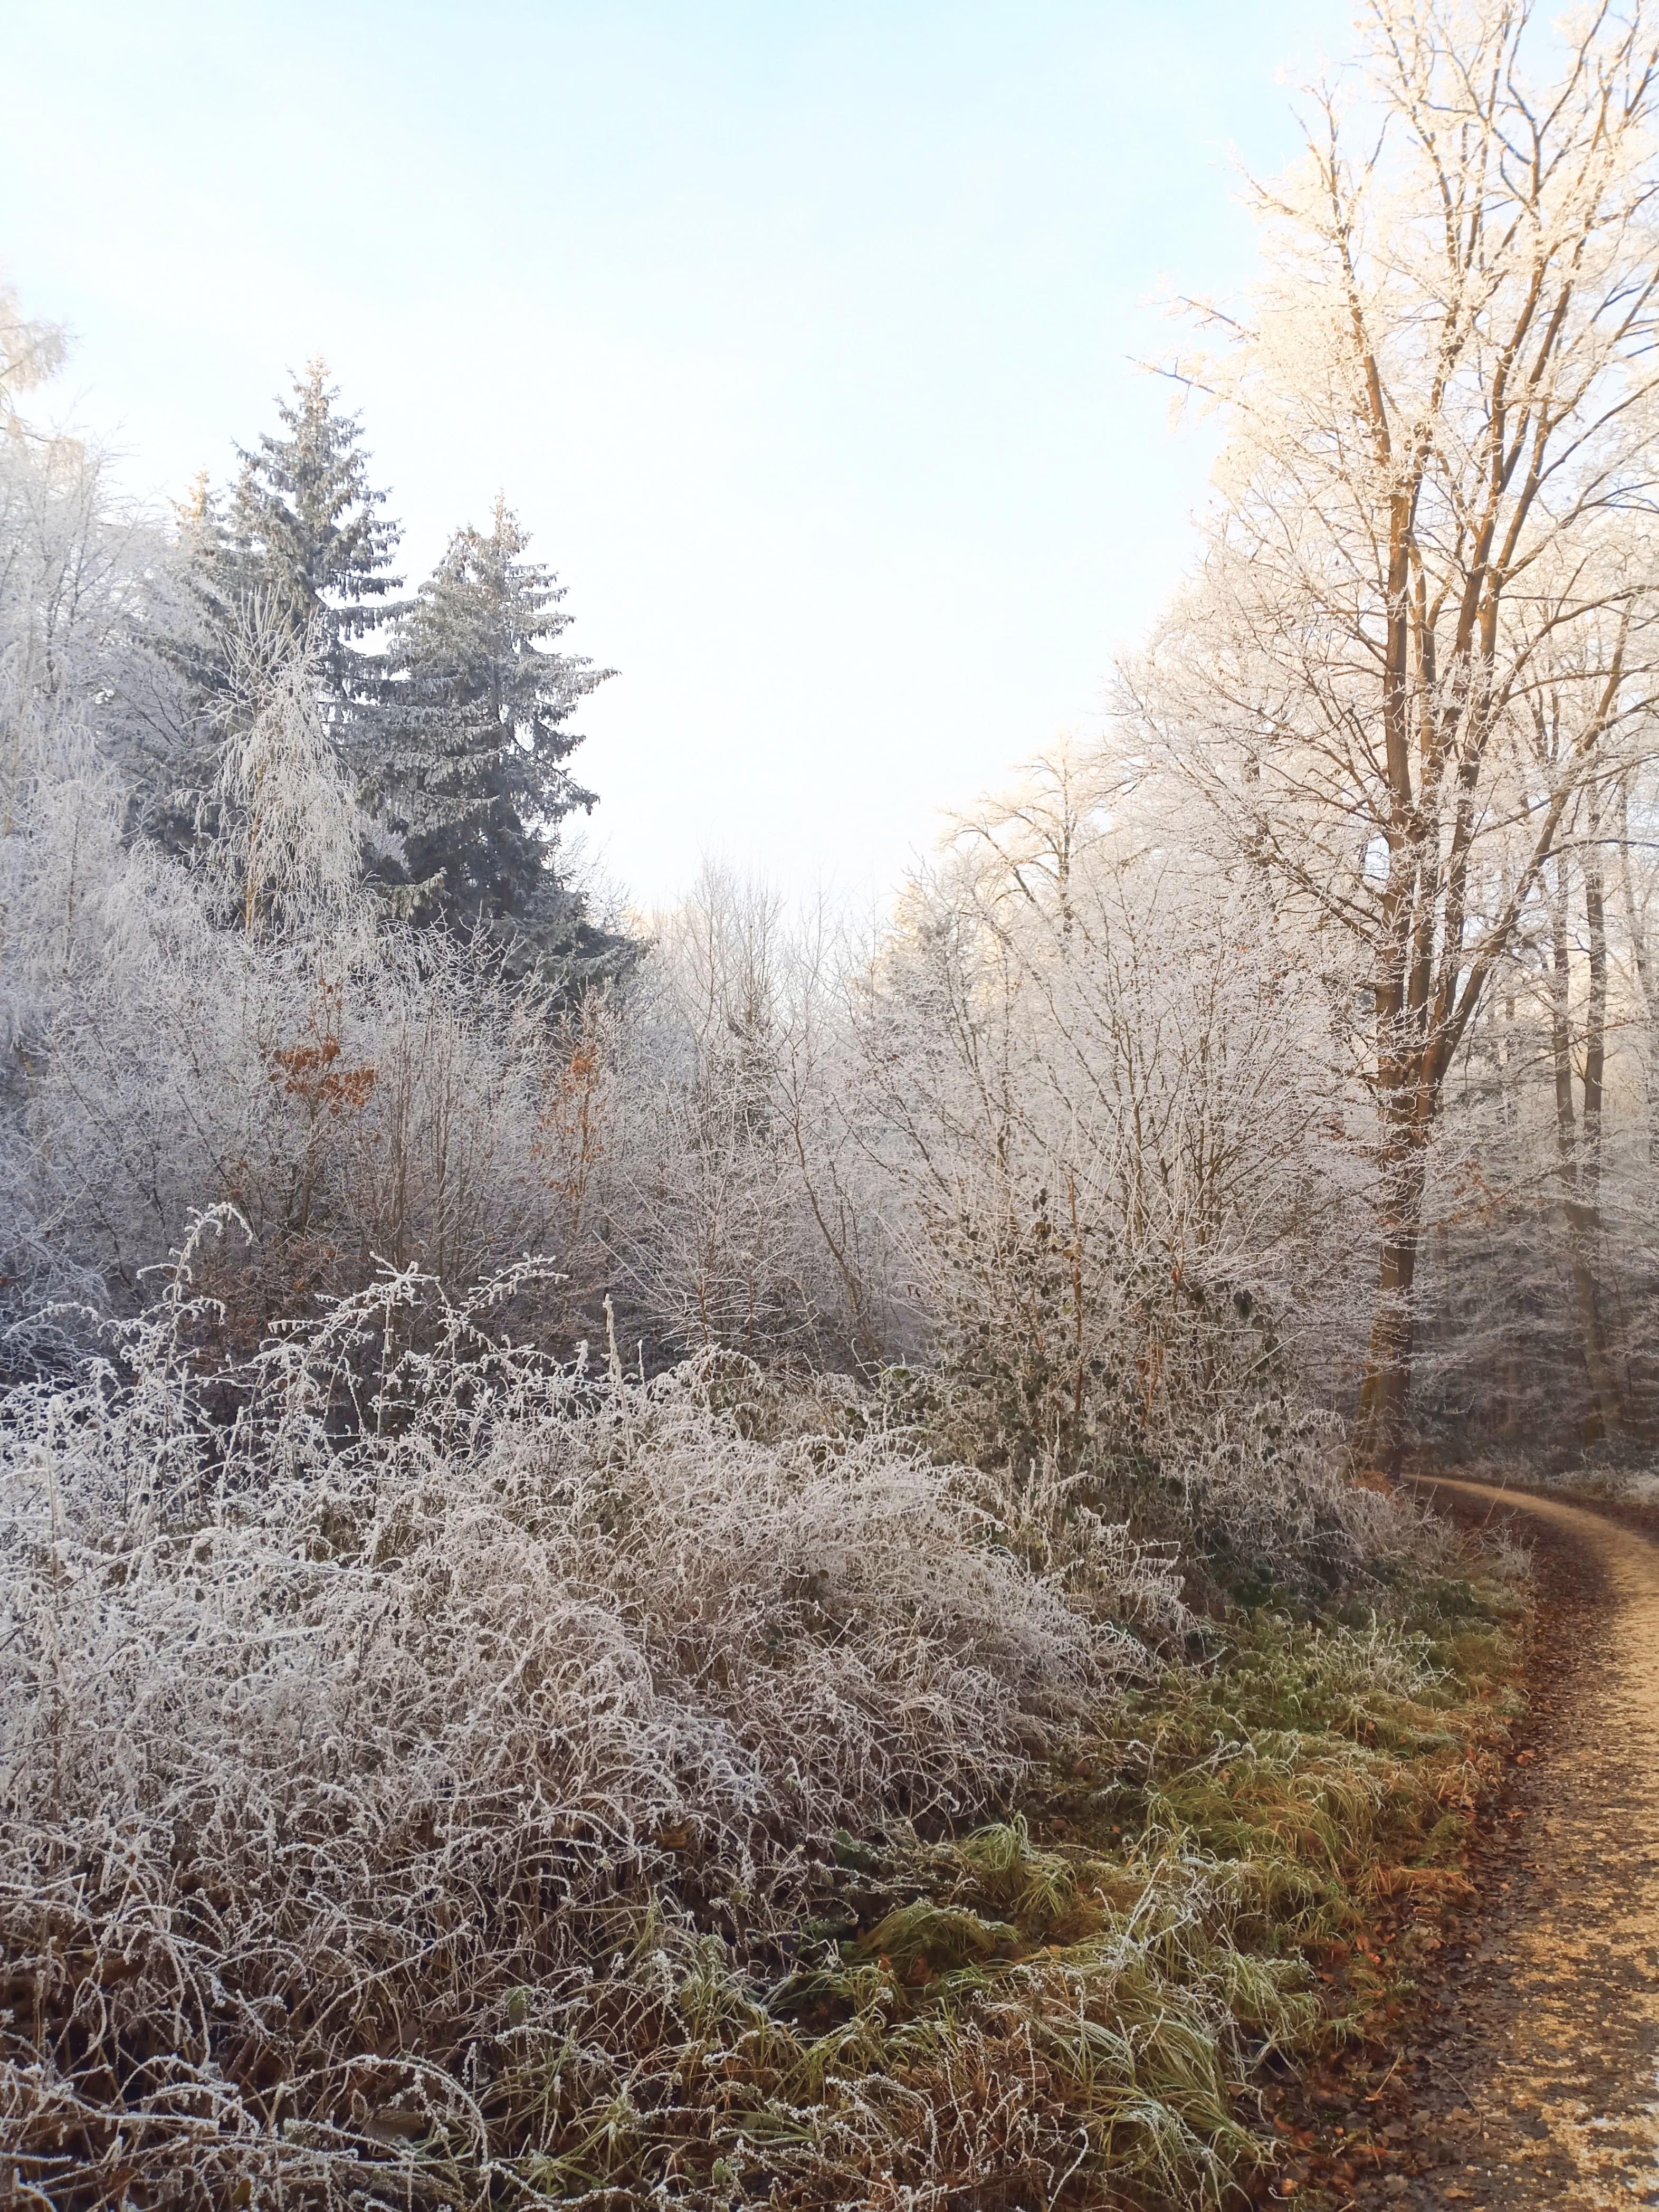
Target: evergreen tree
x,y
478,783
305,532
299,544
172,768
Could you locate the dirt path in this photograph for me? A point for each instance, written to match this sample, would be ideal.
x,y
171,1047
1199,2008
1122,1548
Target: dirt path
x,y
1539,2089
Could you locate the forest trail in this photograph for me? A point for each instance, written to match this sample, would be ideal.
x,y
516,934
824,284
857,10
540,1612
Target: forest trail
x,y
1544,2089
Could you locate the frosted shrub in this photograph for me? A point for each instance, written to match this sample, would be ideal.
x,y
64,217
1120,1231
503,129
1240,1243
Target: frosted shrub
x,y
402,1101
1263,1492
324,1731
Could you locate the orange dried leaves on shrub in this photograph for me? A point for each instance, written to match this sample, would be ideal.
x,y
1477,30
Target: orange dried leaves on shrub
x,y
308,1072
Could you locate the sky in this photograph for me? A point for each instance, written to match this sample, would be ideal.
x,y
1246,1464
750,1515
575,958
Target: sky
x,y
803,336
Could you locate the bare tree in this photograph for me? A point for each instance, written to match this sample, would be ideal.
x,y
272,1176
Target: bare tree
x,y
1433,502
290,834
31,351
1101,1082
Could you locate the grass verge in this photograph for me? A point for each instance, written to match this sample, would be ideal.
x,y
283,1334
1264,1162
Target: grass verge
x,y
1077,2006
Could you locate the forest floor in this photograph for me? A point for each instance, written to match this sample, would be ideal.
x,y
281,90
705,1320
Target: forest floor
x,y
1529,2074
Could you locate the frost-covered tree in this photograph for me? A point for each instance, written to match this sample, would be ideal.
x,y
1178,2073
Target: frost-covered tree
x,y
288,834
304,528
1433,507
1110,1109
301,537
31,351
733,1233
476,780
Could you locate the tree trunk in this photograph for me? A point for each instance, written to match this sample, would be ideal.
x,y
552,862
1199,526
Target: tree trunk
x,y
1647,971
1578,1151
1385,1393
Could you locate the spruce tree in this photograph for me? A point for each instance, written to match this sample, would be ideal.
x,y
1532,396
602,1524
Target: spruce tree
x,y
305,532
299,544
478,783
173,766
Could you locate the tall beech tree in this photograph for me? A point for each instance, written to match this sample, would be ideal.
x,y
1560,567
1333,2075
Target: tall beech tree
x,y
1433,517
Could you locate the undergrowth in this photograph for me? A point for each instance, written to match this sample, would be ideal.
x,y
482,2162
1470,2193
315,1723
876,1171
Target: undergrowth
x,y
457,1781
1068,2007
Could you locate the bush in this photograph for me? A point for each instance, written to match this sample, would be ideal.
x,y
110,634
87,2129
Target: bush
x,y
336,1724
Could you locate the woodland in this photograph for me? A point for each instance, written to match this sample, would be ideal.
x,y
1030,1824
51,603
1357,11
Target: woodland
x,y
722,1558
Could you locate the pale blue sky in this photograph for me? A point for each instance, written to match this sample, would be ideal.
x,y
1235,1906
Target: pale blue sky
x,y
799,334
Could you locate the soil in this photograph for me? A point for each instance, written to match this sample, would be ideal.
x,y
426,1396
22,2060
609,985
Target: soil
x,y
1529,2074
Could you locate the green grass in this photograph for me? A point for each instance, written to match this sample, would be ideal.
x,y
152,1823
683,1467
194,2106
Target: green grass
x,y
1068,2007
